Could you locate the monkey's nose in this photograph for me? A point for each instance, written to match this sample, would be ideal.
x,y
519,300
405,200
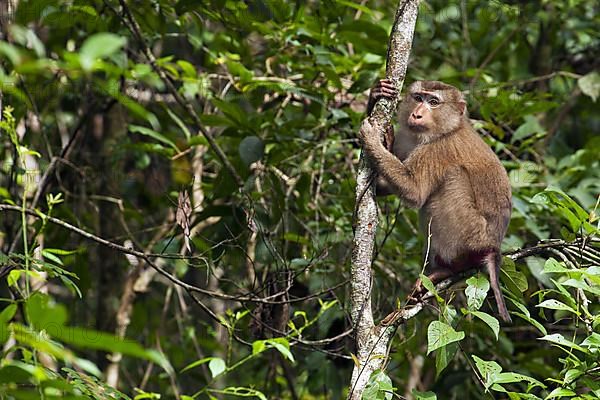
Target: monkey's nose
x,y
417,116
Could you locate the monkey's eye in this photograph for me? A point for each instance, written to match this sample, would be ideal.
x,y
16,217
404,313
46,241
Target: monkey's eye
x,y
418,98
433,102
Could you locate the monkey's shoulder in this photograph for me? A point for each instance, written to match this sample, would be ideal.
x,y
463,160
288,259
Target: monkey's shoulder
x,y
470,156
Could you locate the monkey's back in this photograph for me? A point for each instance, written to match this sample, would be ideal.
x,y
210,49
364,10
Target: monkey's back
x,y
470,208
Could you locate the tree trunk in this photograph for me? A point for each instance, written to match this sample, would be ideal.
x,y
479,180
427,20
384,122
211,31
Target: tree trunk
x,y
372,341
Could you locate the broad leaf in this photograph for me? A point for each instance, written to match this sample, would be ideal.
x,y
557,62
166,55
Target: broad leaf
x,y
440,334
476,291
559,339
490,321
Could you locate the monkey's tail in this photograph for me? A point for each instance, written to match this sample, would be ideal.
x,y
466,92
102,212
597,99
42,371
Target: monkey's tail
x,y
492,264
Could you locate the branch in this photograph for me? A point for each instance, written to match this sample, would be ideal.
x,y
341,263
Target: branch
x,y
147,257
370,349
380,336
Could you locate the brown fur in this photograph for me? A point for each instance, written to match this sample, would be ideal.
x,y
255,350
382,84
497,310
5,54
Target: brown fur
x,y
443,168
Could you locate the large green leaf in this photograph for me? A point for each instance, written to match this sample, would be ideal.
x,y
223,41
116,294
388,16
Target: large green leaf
x,y
476,291
440,334
490,321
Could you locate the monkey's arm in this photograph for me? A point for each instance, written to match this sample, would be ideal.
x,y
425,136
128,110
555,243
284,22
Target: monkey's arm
x,y
383,187
399,176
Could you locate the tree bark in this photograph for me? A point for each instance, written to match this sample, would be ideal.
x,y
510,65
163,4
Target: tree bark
x,y
372,341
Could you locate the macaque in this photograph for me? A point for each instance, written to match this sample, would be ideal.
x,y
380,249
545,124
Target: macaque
x,y
439,164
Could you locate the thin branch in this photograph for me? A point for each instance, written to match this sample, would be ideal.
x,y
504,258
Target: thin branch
x,y
64,157
147,257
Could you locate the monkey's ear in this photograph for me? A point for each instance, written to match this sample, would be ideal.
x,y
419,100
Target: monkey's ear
x,y
462,107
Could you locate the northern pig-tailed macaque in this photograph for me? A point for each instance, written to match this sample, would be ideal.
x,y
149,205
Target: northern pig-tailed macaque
x,y
439,164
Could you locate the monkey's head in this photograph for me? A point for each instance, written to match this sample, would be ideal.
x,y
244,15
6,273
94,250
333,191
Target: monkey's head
x,y
432,108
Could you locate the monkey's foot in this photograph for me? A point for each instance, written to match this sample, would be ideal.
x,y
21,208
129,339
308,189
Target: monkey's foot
x,y
417,292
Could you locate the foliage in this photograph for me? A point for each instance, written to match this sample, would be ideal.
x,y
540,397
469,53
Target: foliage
x,y
111,109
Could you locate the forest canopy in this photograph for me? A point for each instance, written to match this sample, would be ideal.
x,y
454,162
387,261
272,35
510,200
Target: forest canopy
x,y
177,200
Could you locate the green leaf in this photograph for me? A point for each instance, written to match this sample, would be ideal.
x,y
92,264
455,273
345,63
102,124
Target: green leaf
x,y
44,314
511,377
364,81
52,257
196,363
489,370
565,293
590,85
423,395
476,291
13,277
560,392
179,123
216,366
100,45
530,127
282,346
41,342
525,175
8,313
5,316
258,346
440,334
581,284
443,357
379,387
552,266
28,38
592,342
11,52
356,6
572,375
60,252
112,88
557,200
153,134
491,321
559,339
515,281
427,284
240,70
553,304
91,339
233,112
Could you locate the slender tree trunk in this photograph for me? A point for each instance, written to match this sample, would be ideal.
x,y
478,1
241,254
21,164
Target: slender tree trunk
x,y
372,341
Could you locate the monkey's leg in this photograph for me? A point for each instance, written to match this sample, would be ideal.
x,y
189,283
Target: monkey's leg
x,y
443,270
492,262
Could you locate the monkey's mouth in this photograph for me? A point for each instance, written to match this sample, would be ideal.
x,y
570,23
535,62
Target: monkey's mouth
x,y
417,127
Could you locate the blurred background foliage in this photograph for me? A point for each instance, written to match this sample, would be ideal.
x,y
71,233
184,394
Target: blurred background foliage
x,y
109,103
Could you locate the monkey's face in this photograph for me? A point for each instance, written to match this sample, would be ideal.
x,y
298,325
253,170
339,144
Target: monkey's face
x,y
423,105
432,107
